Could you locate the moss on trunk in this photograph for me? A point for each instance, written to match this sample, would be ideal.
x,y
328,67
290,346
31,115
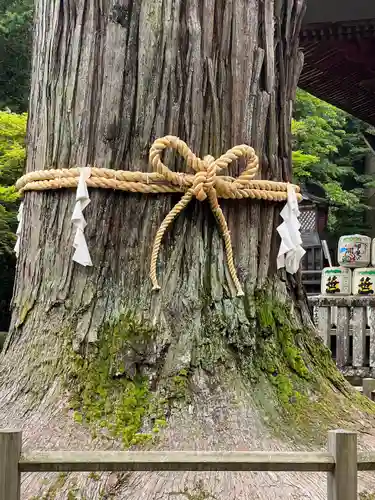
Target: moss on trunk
x,y
119,390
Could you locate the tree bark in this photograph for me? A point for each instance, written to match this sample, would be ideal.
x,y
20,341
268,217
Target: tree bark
x,y
108,78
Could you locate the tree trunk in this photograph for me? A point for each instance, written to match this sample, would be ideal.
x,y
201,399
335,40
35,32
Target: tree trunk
x,y
93,350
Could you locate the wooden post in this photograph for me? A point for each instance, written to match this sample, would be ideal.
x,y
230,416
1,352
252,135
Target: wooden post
x,y
10,452
342,344
342,482
368,385
371,321
324,324
359,336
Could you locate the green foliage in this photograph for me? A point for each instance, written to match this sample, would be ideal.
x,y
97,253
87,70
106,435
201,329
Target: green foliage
x,y
12,151
12,163
15,53
7,227
329,150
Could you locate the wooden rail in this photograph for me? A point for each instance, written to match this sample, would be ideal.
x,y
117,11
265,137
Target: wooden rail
x,y
341,463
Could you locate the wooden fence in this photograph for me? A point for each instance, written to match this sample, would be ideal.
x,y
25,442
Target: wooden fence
x,y
351,335
341,462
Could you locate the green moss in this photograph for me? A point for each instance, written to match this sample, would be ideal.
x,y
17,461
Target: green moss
x,y
297,374
94,476
277,345
212,347
279,357
108,392
26,308
288,370
179,386
196,493
365,495
75,495
52,491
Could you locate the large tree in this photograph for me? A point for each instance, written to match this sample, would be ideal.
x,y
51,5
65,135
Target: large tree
x,y
93,352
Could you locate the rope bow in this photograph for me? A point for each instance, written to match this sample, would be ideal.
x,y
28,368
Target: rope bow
x,y
206,183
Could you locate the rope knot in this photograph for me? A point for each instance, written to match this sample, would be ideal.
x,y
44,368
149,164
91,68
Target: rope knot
x,y
204,179
203,186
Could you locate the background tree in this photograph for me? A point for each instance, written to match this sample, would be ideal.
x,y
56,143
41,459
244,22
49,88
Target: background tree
x,y
12,164
92,352
15,53
329,150
15,67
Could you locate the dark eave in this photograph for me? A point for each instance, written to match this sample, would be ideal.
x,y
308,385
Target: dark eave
x,y
338,11
340,66
338,42
314,199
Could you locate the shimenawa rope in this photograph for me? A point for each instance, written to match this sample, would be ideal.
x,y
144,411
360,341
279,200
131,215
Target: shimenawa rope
x,y
205,183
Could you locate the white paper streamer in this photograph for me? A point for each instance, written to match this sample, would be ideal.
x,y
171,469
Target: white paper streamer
x,y
19,229
81,254
291,251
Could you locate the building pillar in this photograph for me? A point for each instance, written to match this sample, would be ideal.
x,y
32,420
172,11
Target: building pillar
x,y
370,193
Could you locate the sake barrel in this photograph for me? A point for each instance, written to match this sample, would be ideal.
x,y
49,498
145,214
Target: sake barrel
x,y
363,281
373,253
336,281
354,251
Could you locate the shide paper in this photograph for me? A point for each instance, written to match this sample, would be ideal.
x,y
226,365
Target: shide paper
x,y
19,229
291,251
81,254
